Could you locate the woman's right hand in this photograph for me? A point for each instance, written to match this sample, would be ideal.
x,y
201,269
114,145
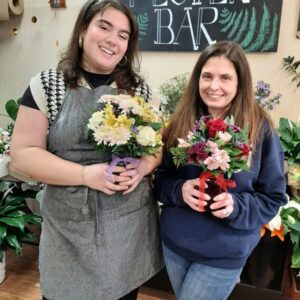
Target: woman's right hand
x,y
96,177
194,198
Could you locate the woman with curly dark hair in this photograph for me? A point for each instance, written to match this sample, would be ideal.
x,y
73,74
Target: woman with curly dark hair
x,y
99,235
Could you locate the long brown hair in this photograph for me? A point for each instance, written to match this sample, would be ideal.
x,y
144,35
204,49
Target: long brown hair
x,y
243,108
125,74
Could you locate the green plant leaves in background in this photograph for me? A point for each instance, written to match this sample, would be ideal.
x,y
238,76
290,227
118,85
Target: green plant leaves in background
x,y
289,133
291,66
12,108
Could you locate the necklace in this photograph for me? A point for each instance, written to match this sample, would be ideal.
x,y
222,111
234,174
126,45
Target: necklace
x,y
95,80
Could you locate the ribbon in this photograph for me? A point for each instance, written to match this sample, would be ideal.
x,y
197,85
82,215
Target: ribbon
x,y
222,182
116,160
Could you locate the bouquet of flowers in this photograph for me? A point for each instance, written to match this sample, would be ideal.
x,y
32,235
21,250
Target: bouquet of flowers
x,y
5,137
126,126
218,147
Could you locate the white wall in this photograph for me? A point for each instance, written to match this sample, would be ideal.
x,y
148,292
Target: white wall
x,y
37,46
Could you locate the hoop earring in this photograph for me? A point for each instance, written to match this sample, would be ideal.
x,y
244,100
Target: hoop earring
x,y
123,63
80,42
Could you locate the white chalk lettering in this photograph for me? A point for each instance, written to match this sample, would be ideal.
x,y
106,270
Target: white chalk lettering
x,y
167,27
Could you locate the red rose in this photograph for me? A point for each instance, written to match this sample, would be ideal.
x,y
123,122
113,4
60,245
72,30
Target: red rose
x,y
215,125
246,149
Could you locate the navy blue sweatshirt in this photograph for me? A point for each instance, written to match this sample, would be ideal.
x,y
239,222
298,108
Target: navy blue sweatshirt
x,y
222,243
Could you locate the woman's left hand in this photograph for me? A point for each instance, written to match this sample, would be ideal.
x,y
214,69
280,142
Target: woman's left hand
x,y
136,172
224,201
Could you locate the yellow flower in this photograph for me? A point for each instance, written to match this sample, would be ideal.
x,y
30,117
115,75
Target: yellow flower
x,y
110,120
123,121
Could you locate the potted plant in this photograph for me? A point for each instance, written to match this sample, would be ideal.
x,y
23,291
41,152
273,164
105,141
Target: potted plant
x,y
289,133
11,107
14,216
5,136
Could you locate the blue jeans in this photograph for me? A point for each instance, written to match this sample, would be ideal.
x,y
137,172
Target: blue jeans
x,y
193,281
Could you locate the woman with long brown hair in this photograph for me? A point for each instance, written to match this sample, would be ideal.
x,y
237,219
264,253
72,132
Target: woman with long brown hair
x,y
205,250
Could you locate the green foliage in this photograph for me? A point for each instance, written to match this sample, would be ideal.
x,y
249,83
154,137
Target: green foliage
x,y
291,66
12,108
290,219
13,218
289,133
171,91
143,23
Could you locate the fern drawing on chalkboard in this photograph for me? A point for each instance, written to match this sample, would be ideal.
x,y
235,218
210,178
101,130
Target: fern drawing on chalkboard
x,y
236,25
273,37
251,33
243,27
263,32
226,16
230,23
143,22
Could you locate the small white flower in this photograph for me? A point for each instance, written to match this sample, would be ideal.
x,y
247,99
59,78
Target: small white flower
x,y
275,223
224,136
182,143
95,120
293,204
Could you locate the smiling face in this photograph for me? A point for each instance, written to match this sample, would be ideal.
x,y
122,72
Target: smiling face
x,y
218,84
105,41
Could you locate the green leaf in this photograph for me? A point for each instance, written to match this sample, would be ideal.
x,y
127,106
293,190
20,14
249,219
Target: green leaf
x,y
1,254
14,242
15,222
3,231
12,108
296,257
33,219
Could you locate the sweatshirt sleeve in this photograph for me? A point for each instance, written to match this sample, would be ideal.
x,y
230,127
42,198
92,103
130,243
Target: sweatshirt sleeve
x,y
167,186
267,186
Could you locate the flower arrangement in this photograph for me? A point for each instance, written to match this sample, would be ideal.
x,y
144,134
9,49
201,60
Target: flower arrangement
x,y
5,137
126,126
262,92
287,221
171,90
218,147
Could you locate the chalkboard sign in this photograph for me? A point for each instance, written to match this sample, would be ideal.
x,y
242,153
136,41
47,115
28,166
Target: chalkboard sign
x,y
190,25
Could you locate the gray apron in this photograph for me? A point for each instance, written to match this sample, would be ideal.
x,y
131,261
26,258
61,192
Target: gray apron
x,y
93,246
